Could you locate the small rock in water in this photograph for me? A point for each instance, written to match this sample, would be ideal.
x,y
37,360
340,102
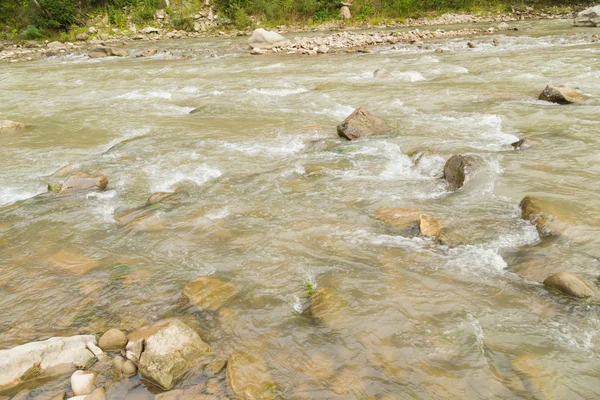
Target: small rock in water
x,y
569,284
96,350
361,123
215,366
84,182
561,95
381,73
470,45
429,225
208,293
454,171
101,52
118,362
82,382
517,145
257,51
496,42
113,340
537,212
503,26
129,368
405,219
249,377
7,126
595,38
148,53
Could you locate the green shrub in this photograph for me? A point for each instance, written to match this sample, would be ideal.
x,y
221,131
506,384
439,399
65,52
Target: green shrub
x,y
58,14
32,33
183,23
240,19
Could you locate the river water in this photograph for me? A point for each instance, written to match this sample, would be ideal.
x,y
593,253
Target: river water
x,y
276,202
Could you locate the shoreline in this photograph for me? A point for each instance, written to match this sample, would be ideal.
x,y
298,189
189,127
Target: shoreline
x,y
22,51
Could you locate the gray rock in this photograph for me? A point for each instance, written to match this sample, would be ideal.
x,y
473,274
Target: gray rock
x,y
82,36
83,182
56,45
345,12
101,52
46,358
569,284
171,351
454,171
588,18
112,340
561,95
147,30
264,39
503,26
361,123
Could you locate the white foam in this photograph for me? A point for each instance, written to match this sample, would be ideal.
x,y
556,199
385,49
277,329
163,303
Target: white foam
x,y
166,179
408,76
283,146
278,92
218,214
190,89
9,195
338,111
138,95
270,66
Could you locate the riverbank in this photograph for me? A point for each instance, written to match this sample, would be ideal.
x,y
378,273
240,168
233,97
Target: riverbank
x,y
98,36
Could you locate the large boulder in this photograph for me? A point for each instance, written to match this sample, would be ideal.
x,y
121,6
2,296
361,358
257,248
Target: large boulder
x,y
84,182
264,39
47,358
569,284
588,18
561,95
208,293
249,377
454,171
7,126
101,52
538,213
170,352
361,123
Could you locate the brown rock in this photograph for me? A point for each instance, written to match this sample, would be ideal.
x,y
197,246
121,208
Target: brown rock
x,y
209,294
113,340
454,171
328,308
429,225
97,394
84,182
361,123
7,126
569,284
215,366
101,52
72,262
537,212
561,95
405,219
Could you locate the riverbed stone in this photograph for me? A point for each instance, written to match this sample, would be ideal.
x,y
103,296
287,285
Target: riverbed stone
x,y
561,95
7,126
569,284
73,262
97,394
328,308
429,225
381,73
361,123
588,18
169,352
208,293
454,171
249,377
404,219
129,368
113,340
538,212
82,382
84,182
101,52
264,39
215,366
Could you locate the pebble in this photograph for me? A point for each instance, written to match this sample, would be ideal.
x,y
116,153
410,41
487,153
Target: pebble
x,y
82,382
129,368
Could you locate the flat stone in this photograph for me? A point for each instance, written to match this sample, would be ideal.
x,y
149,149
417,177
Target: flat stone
x,y
47,358
208,293
7,126
75,263
84,182
561,95
405,219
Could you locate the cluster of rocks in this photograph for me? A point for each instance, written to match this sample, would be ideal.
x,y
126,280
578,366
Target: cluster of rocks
x,y
410,221
262,41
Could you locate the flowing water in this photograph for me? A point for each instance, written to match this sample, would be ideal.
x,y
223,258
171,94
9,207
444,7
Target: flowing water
x,y
276,203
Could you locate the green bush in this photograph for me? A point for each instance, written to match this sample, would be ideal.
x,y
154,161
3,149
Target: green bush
x,y
58,14
32,33
183,23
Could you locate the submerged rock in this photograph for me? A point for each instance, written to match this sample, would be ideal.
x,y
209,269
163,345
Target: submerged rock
x,y
381,73
72,262
537,212
84,182
171,351
101,52
361,123
249,377
7,126
264,39
454,171
51,357
561,95
113,340
588,18
569,284
327,308
405,219
429,225
209,294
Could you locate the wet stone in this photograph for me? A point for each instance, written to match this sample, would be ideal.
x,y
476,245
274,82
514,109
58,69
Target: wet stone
x,y
208,293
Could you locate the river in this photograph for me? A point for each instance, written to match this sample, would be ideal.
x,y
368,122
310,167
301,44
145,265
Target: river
x,y
277,203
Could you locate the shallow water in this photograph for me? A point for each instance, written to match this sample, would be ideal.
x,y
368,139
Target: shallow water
x,y
276,201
